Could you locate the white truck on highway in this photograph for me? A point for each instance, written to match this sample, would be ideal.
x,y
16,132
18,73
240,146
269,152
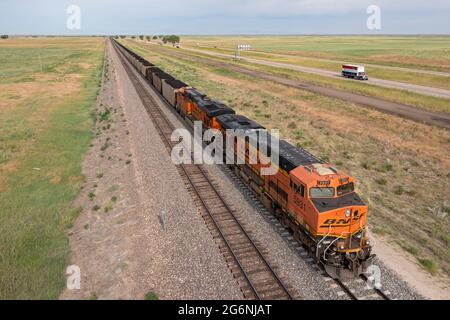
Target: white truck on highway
x,y
354,71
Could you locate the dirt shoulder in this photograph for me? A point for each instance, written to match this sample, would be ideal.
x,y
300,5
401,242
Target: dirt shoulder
x,y
408,270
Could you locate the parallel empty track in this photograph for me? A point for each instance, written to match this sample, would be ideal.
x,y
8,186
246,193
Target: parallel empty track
x,y
356,290
255,276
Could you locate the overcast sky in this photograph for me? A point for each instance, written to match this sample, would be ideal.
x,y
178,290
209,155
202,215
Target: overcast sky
x,y
224,16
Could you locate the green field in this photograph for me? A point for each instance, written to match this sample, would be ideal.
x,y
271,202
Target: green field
x,y
421,52
395,95
392,159
48,88
382,55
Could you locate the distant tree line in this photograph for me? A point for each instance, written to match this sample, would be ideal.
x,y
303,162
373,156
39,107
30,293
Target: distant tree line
x,y
173,39
4,36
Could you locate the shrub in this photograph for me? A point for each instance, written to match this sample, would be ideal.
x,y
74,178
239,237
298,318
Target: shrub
x,y
399,190
151,296
108,207
429,265
385,167
413,250
381,231
365,165
292,125
104,115
105,146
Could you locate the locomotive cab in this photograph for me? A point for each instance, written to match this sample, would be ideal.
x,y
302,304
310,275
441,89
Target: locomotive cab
x,y
339,220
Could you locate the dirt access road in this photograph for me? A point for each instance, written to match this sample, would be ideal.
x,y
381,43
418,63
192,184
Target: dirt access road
x,y
430,91
404,69
408,112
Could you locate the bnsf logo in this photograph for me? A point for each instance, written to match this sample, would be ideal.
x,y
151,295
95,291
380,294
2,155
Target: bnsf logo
x,y
341,222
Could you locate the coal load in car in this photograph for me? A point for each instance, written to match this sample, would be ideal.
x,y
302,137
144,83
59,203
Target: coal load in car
x,y
150,71
158,78
169,87
145,65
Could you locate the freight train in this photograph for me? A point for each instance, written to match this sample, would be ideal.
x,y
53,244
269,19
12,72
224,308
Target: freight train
x,y
312,198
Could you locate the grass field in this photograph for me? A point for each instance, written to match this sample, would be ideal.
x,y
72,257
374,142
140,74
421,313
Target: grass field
x,y
421,52
394,95
47,90
380,54
402,167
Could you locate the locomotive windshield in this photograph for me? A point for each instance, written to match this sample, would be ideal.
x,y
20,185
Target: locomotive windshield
x,y
345,188
321,192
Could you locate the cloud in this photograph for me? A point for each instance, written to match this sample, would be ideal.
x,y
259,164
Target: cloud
x,y
251,8
224,16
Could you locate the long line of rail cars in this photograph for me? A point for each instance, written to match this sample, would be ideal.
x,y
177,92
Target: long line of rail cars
x,y
310,197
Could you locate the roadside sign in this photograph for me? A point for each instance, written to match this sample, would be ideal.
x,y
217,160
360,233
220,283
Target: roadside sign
x,y
241,47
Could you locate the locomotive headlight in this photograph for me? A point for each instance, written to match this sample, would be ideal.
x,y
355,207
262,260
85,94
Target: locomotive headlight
x,y
347,213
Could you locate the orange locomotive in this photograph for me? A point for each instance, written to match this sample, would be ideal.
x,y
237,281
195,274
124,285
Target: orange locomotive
x,y
312,198
197,106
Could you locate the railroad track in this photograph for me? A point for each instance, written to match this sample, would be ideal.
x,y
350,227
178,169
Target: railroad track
x,y
357,289
255,276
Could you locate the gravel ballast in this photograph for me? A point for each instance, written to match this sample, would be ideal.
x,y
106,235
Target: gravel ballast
x,y
130,252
